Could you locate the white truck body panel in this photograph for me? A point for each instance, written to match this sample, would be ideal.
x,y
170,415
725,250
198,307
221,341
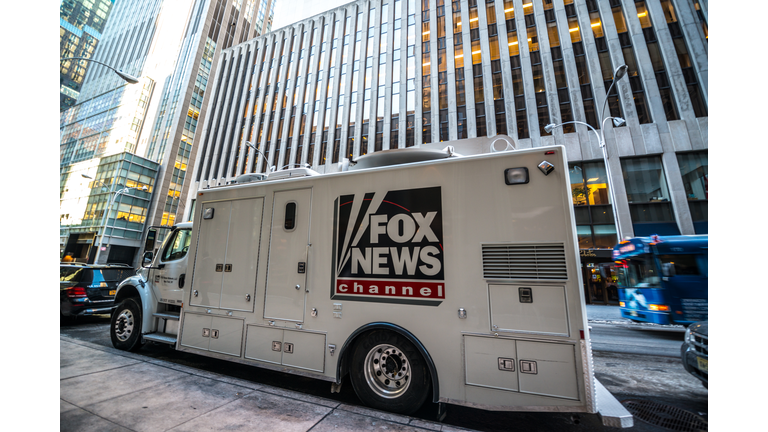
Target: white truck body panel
x,y
485,276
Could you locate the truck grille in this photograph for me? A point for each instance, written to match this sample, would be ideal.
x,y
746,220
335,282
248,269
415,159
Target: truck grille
x,y
524,261
700,344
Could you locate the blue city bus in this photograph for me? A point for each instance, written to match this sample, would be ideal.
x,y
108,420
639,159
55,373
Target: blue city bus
x,y
663,279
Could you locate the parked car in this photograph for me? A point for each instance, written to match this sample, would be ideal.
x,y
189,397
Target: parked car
x,y
89,289
694,351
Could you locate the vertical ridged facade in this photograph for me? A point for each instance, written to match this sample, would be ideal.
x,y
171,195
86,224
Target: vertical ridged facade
x,y
382,74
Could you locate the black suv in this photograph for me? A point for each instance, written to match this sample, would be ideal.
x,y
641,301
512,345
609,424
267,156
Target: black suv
x,y
90,289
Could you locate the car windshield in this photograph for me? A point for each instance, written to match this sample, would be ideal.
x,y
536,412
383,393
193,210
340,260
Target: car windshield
x,y
638,273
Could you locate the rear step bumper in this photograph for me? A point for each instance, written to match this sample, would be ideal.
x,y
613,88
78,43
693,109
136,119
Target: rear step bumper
x,y
161,338
611,411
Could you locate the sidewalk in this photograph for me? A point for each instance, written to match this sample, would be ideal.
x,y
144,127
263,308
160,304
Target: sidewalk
x,y
104,389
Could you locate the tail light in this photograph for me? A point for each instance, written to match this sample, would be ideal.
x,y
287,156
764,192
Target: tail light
x,y
76,292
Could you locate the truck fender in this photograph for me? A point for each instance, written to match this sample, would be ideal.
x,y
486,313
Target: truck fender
x,y
342,365
136,286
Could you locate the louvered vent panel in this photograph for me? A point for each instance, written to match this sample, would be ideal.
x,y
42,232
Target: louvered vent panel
x,y
524,261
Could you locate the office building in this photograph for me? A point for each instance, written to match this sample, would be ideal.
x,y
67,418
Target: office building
x,y
150,126
81,24
374,75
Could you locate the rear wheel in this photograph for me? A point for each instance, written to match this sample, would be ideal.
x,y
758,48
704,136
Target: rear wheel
x,y
388,373
125,326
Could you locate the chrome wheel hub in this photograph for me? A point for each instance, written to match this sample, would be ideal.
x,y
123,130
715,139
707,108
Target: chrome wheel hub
x,y
124,325
387,371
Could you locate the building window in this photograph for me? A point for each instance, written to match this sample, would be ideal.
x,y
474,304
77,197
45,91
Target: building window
x,y
648,197
561,81
426,82
659,69
689,73
694,171
604,56
592,205
537,69
633,72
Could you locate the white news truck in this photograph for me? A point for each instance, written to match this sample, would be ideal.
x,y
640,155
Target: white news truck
x,y
448,278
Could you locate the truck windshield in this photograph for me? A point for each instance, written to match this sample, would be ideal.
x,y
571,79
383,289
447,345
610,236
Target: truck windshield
x,y
638,272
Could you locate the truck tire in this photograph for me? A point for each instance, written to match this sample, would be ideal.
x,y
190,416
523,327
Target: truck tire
x,y
125,325
388,373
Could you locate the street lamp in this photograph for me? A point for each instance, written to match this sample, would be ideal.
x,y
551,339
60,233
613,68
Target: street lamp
x,y
127,77
266,161
617,121
104,218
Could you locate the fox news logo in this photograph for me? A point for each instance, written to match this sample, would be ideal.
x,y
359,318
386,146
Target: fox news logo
x,y
388,247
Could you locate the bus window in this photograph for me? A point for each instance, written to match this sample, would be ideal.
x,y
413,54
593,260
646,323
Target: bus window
x,y
685,265
703,262
638,272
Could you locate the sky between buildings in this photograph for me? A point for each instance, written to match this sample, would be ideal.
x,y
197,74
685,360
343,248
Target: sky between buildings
x,y
290,11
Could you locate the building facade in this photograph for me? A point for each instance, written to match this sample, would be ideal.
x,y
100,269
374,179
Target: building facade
x,y
383,74
80,28
172,47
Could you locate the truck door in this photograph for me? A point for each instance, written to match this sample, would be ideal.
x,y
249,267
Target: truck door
x,y
169,277
227,254
288,255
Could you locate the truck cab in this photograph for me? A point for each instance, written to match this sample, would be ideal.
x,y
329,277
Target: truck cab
x,y
150,301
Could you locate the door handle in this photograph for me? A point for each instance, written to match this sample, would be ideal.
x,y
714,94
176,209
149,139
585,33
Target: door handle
x,y
298,287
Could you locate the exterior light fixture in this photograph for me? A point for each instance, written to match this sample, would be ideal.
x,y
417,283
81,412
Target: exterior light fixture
x,y
546,167
514,176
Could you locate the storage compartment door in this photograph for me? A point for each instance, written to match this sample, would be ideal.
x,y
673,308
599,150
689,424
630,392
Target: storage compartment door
x,y
548,369
491,362
226,335
264,344
211,251
196,332
239,284
304,350
288,251
529,309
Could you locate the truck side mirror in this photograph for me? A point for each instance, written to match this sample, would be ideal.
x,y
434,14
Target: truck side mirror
x,y
668,269
149,244
147,260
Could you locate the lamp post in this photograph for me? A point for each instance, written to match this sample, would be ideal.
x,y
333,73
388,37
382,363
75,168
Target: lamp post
x,y
617,121
130,79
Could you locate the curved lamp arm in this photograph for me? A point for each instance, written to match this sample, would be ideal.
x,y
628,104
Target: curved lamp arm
x,y
550,127
127,77
619,74
266,160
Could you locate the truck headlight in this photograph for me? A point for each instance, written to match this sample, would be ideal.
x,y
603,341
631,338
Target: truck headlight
x,y
687,338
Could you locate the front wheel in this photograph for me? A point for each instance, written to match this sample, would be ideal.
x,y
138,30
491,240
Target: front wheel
x,y
388,373
125,326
